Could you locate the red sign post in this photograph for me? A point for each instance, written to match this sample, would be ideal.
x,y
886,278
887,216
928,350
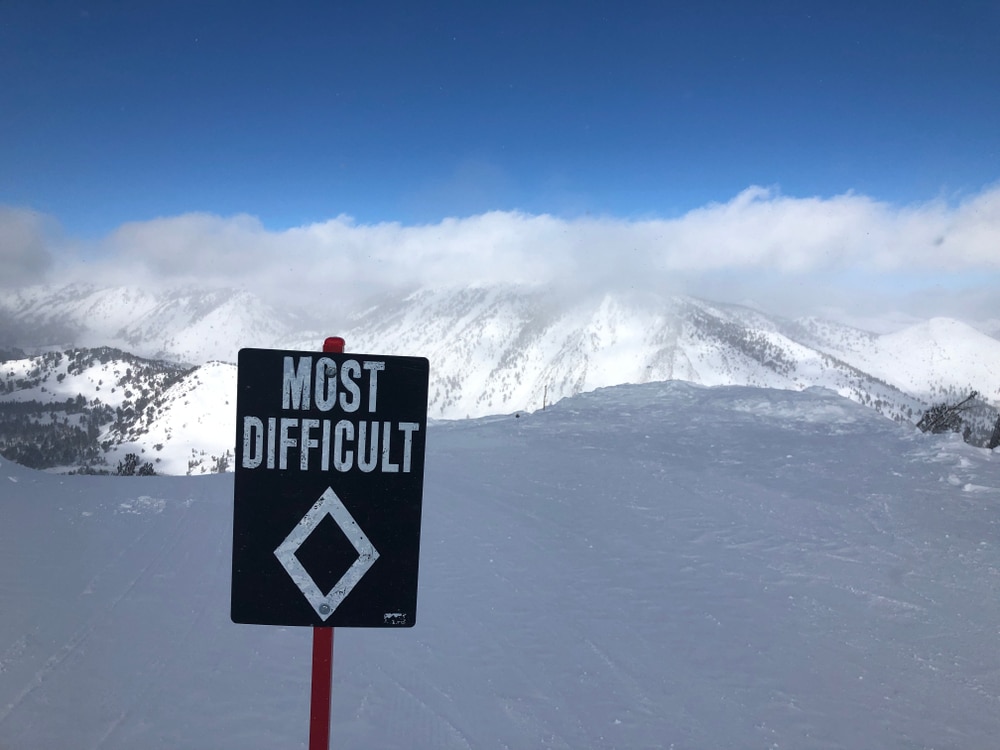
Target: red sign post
x,y
327,497
322,655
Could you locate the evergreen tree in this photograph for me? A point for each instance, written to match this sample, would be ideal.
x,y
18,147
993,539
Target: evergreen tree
x,y
127,467
945,417
130,467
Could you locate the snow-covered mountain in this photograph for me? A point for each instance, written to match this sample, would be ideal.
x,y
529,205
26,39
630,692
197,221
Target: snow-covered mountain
x,y
191,428
501,349
64,409
189,325
492,350
936,357
647,566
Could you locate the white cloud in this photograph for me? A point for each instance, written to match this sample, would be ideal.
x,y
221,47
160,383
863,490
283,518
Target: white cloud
x,y
24,253
759,233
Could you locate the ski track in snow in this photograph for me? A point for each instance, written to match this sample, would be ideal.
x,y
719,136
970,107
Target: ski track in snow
x,y
77,642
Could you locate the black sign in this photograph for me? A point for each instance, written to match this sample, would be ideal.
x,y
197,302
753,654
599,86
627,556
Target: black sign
x,y
329,483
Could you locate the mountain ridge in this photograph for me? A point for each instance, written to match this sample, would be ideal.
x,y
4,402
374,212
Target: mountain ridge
x,y
493,349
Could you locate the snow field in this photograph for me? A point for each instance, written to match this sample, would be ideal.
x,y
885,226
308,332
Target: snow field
x,y
648,566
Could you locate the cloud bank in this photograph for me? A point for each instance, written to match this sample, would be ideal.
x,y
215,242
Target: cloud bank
x,y
759,234
24,252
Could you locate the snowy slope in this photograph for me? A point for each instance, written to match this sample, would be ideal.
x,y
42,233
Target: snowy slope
x,y
70,315
990,327
646,566
191,429
62,408
941,355
179,420
200,326
185,325
499,349
112,376
933,358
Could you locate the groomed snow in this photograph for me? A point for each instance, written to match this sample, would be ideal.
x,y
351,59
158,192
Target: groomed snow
x,y
650,566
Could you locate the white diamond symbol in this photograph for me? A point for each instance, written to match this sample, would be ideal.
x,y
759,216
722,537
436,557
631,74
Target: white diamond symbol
x,y
328,503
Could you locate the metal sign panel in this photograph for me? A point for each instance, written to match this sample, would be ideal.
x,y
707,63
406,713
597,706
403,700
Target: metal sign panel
x,y
328,488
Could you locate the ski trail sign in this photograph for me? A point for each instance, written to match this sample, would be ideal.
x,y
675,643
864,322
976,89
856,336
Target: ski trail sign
x,y
328,488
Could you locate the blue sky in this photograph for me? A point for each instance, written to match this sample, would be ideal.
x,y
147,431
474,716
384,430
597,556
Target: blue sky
x,y
297,113
416,111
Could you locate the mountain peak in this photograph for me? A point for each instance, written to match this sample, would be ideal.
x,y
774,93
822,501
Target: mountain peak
x,y
500,349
